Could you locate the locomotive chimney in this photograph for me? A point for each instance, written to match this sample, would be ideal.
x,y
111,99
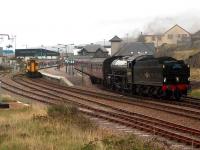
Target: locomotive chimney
x,y
115,44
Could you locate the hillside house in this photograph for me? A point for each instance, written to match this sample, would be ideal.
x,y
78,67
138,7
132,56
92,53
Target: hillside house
x,y
196,39
174,36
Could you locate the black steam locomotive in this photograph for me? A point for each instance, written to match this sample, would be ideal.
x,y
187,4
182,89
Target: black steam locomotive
x,y
163,77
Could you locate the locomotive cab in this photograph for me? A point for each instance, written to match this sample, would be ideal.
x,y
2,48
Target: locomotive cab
x,y
32,69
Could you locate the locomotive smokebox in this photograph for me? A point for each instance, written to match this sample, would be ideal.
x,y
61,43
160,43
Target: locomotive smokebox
x,y
119,64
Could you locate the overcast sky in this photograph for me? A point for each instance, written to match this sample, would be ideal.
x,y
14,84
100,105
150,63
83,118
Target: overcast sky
x,y
49,22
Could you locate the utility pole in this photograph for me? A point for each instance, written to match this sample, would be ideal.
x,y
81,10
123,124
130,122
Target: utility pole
x,y
58,60
15,37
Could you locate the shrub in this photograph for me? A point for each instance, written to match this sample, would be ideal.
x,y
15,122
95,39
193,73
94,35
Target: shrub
x,y
62,111
6,98
124,142
69,114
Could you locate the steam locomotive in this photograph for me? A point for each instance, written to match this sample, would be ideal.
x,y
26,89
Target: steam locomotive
x,y
163,77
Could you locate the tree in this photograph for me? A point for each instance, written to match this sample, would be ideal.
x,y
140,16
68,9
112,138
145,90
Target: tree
x,y
9,46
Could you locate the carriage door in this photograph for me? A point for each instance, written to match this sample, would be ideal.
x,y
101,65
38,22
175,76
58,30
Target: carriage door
x,y
129,72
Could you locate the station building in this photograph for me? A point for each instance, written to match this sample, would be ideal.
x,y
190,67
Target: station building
x,y
122,48
93,50
39,53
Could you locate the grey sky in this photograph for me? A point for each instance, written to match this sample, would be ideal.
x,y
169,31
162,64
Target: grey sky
x,y
49,22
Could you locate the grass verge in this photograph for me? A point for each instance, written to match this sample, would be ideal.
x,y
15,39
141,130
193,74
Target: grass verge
x,y
6,98
59,128
195,93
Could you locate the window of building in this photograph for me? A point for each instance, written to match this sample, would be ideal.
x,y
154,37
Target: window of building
x,y
170,36
178,35
153,38
159,38
184,35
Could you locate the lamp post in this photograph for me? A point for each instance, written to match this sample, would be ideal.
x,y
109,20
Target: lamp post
x,y
58,58
14,40
15,37
69,59
67,47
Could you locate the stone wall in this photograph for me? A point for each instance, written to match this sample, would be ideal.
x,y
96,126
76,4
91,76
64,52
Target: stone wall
x,y
194,61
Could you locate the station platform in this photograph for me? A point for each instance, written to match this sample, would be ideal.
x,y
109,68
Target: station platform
x,y
56,74
70,77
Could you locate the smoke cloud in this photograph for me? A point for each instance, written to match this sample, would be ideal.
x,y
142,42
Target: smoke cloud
x,y
189,21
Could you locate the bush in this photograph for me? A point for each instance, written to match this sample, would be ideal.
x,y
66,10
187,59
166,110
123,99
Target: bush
x,y
69,114
124,142
62,111
6,98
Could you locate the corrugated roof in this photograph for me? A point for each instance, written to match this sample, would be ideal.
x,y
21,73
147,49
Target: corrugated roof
x,y
134,48
34,52
115,39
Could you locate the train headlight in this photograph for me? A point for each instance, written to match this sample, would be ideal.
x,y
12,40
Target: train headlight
x,y
163,66
188,66
177,79
165,79
188,78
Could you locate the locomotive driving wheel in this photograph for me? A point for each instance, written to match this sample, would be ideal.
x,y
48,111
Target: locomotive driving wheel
x,y
160,93
150,91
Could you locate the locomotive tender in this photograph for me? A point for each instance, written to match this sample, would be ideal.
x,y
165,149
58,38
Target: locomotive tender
x,y
163,77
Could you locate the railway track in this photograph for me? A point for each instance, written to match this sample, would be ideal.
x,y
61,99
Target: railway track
x,y
187,101
195,114
193,98
2,74
169,130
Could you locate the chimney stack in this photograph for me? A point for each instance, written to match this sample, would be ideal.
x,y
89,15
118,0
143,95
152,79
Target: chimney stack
x,y
115,44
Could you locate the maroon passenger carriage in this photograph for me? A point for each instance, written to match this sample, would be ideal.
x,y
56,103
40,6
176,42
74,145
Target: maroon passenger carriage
x,y
93,67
